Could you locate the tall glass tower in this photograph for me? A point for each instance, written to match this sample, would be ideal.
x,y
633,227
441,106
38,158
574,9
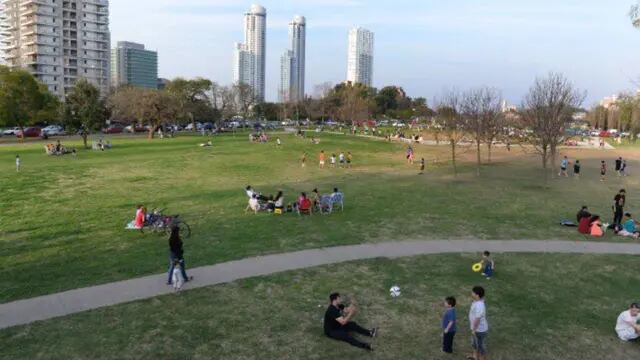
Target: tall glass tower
x,y
360,58
249,58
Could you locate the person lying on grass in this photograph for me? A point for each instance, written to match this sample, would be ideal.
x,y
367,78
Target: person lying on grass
x,y
338,324
627,326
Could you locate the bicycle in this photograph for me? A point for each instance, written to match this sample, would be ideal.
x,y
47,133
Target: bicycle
x,y
157,222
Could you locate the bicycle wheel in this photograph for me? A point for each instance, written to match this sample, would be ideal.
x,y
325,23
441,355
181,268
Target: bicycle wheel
x,y
185,230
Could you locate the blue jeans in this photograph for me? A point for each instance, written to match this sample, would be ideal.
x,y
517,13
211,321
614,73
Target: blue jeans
x,y
172,259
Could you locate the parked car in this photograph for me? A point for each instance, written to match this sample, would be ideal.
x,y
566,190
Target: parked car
x,y
113,129
190,126
29,132
134,128
53,130
11,131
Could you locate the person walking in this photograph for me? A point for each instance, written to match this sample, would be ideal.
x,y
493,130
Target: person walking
x,y
421,167
17,163
618,206
479,324
576,169
603,170
176,255
619,165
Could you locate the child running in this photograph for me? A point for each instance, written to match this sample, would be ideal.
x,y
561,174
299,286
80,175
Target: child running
x,y
563,167
333,160
322,159
603,170
17,163
576,169
304,159
421,167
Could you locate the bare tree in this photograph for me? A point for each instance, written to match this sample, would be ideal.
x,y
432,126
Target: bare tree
x,y
354,104
471,108
493,120
545,110
634,15
449,119
245,99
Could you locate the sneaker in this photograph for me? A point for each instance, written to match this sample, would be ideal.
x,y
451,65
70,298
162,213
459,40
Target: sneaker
x,y
374,332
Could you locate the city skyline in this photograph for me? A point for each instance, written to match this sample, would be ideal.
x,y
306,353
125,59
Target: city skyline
x,y
422,47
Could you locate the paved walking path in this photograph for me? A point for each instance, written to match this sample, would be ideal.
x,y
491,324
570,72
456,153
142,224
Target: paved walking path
x,y
74,301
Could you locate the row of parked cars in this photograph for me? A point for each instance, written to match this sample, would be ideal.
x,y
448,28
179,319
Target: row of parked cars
x,y
34,131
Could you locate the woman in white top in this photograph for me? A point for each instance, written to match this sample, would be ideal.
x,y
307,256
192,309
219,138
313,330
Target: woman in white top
x,y
279,201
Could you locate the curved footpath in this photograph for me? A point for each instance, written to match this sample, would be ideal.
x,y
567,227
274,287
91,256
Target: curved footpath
x,y
69,302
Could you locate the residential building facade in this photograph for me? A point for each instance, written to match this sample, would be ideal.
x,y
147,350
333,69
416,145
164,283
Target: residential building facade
x,y
59,41
293,62
250,57
360,56
287,70
132,64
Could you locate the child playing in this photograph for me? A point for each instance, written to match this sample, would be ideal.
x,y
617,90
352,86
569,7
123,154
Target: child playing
x,y
176,277
278,142
18,163
342,159
449,327
487,265
304,159
421,166
322,159
576,169
623,168
349,159
564,163
333,160
603,171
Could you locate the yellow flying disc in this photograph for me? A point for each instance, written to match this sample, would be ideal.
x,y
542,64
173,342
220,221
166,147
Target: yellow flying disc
x,y
476,267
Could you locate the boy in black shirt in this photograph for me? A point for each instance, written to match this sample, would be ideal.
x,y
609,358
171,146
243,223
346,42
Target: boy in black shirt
x,y
337,324
618,206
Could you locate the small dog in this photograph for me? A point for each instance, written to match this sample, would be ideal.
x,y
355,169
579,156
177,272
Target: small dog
x,y
176,277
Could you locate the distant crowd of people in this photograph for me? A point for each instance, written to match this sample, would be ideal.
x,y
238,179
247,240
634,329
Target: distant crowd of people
x,y
621,168
622,224
303,205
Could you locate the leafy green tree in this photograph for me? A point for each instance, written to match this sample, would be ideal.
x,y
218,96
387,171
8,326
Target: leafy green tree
x,y
84,109
24,101
192,98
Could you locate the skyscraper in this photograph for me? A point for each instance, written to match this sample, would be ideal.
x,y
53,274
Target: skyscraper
x,y
58,41
360,58
132,65
293,61
287,70
249,58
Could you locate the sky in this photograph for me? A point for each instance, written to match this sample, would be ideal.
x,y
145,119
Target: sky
x,y
424,46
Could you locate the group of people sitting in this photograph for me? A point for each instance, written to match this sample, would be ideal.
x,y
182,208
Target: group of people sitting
x,y
589,224
58,149
259,138
304,204
101,145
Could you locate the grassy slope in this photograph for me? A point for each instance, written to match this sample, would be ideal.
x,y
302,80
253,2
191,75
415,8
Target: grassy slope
x,y
534,314
62,219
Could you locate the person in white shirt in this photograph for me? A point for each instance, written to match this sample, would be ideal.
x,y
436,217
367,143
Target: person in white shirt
x,y
17,163
254,205
627,326
479,324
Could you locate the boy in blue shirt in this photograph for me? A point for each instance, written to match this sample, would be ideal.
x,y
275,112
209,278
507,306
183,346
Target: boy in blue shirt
x,y
449,326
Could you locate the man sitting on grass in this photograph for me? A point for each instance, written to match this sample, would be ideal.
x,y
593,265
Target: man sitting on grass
x,y
338,324
253,205
627,326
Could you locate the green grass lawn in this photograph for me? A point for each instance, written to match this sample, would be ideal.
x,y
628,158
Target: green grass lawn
x,y
62,218
540,307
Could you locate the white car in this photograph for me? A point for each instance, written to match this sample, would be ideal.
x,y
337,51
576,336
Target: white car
x,y
54,130
11,131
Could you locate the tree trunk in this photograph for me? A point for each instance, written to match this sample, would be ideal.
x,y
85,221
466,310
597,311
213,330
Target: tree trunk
x,y
479,157
489,150
453,158
152,131
193,122
84,139
21,133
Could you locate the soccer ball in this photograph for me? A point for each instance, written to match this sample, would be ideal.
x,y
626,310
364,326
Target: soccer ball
x,y
394,291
